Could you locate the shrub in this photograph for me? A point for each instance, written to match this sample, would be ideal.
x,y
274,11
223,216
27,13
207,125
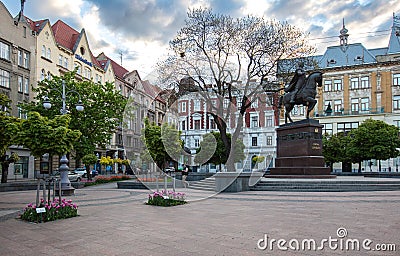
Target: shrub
x,y
166,198
54,210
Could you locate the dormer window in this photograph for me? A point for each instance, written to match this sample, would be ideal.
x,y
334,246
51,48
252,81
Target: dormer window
x,y
332,61
358,58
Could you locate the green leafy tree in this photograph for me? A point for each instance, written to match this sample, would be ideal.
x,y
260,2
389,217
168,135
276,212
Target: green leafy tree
x,y
43,135
212,150
335,148
103,109
212,52
87,160
9,129
163,143
374,139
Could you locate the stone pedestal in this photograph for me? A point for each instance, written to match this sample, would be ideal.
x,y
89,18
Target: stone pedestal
x,y
299,149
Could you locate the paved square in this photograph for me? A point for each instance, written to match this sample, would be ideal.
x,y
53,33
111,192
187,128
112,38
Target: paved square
x,y
117,222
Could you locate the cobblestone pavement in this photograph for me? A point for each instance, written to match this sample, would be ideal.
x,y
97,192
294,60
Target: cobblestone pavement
x,y
117,222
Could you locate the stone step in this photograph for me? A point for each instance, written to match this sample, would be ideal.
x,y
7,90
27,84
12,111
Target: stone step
x,y
327,187
207,184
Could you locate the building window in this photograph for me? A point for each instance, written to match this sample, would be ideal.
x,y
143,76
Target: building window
x,y
66,62
327,129
197,105
364,82
88,74
396,79
196,143
48,53
226,103
183,106
365,104
21,167
20,84
60,60
26,87
79,70
396,123
346,127
43,51
337,106
269,140
183,125
254,141
24,29
396,102
48,75
212,124
327,103
21,113
26,59
328,85
354,106
19,57
4,51
354,83
298,110
254,122
338,86
4,78
268,121
254,104
197,124
42,75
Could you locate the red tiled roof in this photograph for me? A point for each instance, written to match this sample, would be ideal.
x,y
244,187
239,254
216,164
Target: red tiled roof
x,y
94,60
119,70
35,25
65,35
152,90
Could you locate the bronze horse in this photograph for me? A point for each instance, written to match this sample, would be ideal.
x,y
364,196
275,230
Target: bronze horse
x,y
305,96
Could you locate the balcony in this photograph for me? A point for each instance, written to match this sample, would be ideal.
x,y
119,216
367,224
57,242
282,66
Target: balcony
x,y
349,112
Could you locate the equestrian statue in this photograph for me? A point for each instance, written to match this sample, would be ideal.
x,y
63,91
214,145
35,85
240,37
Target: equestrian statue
x,y
301,91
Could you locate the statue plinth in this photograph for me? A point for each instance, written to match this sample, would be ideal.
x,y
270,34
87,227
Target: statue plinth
x,y
299,149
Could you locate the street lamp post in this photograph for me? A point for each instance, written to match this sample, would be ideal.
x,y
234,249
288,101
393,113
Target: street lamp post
x,y
66,188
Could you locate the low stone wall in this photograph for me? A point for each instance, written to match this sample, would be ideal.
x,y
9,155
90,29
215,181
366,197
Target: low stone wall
x,y
236,182
195,176
30,185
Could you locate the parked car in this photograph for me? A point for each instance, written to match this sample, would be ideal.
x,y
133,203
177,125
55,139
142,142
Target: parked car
x,y
72,176
82,171
94,173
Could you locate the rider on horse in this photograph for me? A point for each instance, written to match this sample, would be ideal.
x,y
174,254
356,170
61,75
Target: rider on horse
x,y
297,82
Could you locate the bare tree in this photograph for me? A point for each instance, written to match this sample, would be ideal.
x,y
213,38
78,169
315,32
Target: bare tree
x,y
230,59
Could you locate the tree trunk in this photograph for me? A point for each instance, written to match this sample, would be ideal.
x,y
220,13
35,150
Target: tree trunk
x,y
4,173
359,167
88,174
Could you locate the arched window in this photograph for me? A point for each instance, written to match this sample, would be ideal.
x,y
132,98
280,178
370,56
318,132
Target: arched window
x,y
43,51
42,75
77,65
48,53
48,75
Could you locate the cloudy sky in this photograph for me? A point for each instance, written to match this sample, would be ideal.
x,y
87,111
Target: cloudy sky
x,y
141,29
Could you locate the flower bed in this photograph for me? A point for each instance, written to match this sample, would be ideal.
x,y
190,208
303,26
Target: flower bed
x,y
53,211
107,179
166,198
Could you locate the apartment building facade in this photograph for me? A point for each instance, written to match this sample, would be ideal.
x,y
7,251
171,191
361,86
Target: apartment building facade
x,y
17,74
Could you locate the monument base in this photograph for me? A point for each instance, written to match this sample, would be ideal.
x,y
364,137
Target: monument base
x,y
300,170
299,150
